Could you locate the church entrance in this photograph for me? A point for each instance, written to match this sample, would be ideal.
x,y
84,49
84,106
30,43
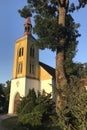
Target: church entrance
x,y
16,101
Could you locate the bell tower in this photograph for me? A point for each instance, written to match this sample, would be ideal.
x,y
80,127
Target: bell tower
x,y
25,74
27,27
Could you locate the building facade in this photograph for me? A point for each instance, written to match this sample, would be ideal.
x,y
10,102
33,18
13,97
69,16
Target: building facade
x,y
28,72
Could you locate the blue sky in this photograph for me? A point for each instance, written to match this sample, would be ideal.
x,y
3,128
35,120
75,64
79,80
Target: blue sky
x,y
11,28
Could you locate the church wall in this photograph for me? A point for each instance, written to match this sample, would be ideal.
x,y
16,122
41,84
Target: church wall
x,y
46,85
32,83
44,75
86,87
17,86
21,86
22,42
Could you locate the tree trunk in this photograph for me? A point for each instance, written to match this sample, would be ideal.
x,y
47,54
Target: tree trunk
x,y
60,73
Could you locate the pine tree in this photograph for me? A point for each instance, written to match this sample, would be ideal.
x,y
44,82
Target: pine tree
x,y
73,112
35,111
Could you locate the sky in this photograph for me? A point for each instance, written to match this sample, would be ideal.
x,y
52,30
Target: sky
x,y
12,28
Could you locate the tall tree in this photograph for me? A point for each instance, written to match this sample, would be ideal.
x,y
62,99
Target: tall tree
x,y
51,17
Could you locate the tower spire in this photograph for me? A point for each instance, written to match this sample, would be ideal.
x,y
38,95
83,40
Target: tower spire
x,y
27,26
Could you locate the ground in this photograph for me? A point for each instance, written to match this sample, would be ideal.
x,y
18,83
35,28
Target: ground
x,y
3,125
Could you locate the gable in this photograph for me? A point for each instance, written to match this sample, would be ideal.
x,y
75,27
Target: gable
x,y
44,75
46,72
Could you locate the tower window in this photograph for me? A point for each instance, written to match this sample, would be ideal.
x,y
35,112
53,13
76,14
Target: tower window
x,y
21,52
32,68
32,52
25,28
20,67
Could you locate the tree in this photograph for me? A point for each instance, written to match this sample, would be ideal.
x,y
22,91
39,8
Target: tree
x,y
2,97
6,91
35,111
73,112
82,70
57,31
50,26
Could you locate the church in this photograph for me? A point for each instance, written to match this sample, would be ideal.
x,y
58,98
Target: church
x,y
28,71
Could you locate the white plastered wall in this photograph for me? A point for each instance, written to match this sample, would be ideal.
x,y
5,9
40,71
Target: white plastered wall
x,y
32,83
46,85
86,87
21,86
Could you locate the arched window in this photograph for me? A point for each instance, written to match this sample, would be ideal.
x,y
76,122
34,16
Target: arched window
x,y
21,51
25,28
20,67
32,52
32,68
28,28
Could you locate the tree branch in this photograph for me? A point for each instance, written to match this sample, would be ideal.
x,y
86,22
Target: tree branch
x,y
67,3
43,4
59,2
63,3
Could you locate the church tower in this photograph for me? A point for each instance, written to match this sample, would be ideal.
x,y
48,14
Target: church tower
x,y
25,68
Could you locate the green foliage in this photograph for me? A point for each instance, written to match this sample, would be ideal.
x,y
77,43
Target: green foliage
x,y
82,70
46,24
25,12
35,110
70,46
2,98
50,33
27,103
33,118
7,95
74,6
73,112
49,7
7,89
